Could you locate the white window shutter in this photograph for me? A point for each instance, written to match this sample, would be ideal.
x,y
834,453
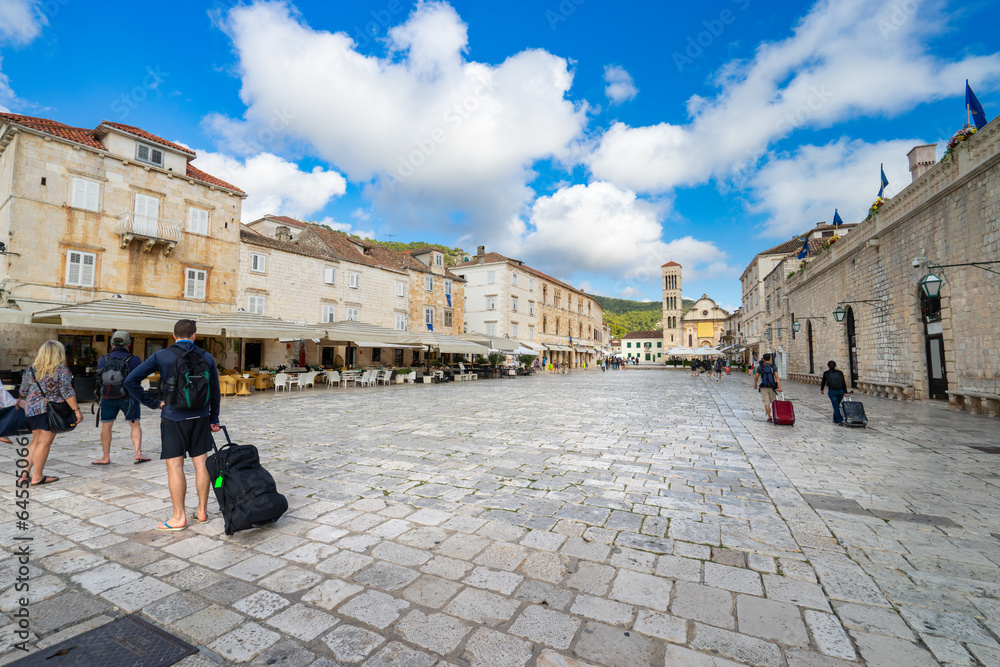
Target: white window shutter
x,y
201,284
79,193
93,195
87,271
157,156
73,269
142,152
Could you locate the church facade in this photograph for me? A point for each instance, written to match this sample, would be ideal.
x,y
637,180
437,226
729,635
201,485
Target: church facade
x,y
703,325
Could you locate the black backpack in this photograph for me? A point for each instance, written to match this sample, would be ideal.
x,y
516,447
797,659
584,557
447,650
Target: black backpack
x,y
767,379
112,377
189,386
246,492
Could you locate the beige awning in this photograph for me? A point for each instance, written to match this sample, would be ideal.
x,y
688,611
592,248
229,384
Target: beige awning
x,y
451,344
252,325
114,314
537,347
492,342
367,335
558,347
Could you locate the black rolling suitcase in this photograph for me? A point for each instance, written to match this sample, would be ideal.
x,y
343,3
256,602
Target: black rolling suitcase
x,y
246,492
853,412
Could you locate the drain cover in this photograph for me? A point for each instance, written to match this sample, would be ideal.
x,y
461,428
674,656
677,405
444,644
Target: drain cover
x,y
127,642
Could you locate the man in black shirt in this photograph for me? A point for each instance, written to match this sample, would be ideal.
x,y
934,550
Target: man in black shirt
x,y
834,381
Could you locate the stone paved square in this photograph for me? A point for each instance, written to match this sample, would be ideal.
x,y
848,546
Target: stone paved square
x,y
659,519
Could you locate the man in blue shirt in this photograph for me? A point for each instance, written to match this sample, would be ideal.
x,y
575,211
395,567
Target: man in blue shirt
x,y
115,399
182,432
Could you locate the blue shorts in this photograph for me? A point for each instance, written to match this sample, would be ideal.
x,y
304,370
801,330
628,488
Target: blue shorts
x,y
127,406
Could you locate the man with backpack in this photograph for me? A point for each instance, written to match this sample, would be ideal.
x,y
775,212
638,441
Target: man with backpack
x,y
112,369
189,416
766,377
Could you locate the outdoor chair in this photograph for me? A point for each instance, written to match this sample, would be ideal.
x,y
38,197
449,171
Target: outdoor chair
x,y
332,378
383,377
466,375
368,379
227,385
308,380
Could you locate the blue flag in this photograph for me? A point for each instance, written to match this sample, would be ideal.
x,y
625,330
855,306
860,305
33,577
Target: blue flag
x,y
805,249
448,296
974,108
836,218
885,181
430,327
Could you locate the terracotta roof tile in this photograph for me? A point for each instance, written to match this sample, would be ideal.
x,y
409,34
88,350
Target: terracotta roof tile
x,y
655,333
252,237
139,132
285,220
670,264
198,175
77,134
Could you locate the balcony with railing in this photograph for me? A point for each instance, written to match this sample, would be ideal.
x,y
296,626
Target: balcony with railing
x,y
148,230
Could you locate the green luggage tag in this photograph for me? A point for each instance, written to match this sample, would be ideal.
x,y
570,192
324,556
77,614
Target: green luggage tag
x,y
218,482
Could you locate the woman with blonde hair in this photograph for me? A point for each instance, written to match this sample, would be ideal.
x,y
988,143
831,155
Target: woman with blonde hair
x,y
46,381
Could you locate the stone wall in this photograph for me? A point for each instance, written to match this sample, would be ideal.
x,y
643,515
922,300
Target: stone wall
x,y
950,215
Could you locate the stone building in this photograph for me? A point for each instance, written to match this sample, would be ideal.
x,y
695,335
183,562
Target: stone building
x,y
893,339
508,298
90,214
776,321
704,324
646,346
673,305
279,227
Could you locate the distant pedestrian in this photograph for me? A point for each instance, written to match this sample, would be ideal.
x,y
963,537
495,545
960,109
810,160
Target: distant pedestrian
x,y
12,418
112,369
766,377
47,381
718,369
837,385
694,367
604,365
189,415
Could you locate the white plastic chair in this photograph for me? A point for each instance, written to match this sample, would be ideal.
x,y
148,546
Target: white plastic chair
x,y
308,380
368,379
383,377
332,378
281,382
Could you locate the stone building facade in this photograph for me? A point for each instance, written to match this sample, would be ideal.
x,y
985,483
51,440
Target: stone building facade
x,y
505,297
646,346
704,324
894,341
94,214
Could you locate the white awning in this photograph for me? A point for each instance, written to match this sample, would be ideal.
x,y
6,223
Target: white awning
x,y
557,347
359,333
113,314
537,347
252,325
451,344
492,342
398,346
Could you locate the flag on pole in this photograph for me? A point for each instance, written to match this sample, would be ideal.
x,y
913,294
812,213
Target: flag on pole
x,y
836,218
805,249
885,181
973,108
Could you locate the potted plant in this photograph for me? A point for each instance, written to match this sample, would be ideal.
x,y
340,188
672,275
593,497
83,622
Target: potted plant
x,y
403,375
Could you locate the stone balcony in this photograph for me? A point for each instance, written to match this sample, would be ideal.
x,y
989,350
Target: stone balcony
x,y
148,230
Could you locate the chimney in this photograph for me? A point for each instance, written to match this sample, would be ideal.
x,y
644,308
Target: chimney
x,y
921,159
480,254
282,233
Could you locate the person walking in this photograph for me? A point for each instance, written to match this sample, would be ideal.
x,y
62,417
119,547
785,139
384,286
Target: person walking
x,y
112,369
766,376
718,369
834,381
694,367
48,380
189,414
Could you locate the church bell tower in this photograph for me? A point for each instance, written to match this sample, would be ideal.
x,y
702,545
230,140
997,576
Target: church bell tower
x,y
673,329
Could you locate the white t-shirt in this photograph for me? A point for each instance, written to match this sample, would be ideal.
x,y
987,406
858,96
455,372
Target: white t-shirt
x,y
6,400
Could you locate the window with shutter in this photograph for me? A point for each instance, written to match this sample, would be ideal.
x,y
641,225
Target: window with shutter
x,y
86,194
400,322
429,317
400,289
330,276
354,314
513,304
194,287
447,287
513,330
491,303
149,154
329,313
354,280
429,283
531,333
80,268
447,318
491,277
255,304
197,220
258,262
146,217
491,328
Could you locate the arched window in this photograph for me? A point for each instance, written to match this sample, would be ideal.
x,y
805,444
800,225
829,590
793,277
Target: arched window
x,y
690,340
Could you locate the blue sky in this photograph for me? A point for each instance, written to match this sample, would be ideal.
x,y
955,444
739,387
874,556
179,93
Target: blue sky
x,y
596,142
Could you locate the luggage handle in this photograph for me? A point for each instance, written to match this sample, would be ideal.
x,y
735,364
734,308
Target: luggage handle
x,y
217,482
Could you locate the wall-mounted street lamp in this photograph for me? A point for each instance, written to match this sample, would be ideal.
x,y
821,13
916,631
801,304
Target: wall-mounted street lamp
x,y
931,285
840,313
796,325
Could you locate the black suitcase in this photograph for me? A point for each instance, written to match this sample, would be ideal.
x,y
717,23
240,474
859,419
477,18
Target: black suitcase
x,y
246,492
853,412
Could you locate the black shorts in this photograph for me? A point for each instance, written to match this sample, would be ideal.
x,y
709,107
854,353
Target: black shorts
x,y
191,437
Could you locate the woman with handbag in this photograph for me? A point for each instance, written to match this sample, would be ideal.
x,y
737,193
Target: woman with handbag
x,y
50,405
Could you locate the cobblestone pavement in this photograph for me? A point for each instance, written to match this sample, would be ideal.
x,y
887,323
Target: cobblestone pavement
x,y
622,518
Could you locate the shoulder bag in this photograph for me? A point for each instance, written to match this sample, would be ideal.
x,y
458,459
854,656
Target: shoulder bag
x,y
61,416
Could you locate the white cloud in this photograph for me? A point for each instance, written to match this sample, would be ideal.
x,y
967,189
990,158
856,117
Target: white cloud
x,y
274,185
620,86
347,228
429,132
629,292
21,21
600,228
844,59
798,190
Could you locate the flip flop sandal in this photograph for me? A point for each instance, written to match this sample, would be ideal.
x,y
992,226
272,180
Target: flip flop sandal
x,y
167,527
194,515
142,460
100,463
45,480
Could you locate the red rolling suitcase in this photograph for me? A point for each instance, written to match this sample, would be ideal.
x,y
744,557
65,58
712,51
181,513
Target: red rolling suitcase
x,y
782,411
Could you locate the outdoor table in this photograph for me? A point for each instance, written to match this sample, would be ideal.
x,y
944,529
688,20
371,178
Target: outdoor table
x,y
350,376
243,385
